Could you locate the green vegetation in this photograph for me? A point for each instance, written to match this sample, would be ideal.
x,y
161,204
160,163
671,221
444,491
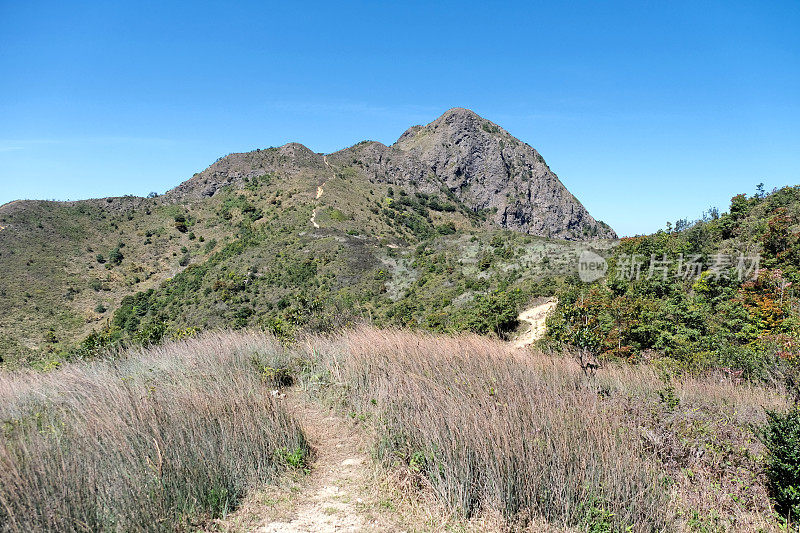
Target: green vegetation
x,y
246,257
246,254
781,435
723,314
301,286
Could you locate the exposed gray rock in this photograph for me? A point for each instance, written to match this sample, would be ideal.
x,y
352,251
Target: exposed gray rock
x,y
487,168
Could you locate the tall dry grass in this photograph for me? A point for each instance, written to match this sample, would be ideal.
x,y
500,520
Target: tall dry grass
x,y
150,441
493,428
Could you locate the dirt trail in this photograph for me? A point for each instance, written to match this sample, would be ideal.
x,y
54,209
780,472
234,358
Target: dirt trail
x,y
536,316
338,495
320,190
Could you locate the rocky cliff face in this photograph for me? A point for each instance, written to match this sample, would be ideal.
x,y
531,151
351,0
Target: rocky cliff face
x,y
471,158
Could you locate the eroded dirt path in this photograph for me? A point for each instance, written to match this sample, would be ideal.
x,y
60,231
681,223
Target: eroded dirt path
x,y
345,490
339,494
536,316
320,191
333,492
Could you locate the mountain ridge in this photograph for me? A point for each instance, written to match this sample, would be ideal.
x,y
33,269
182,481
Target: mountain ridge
x,y
497,172
449,220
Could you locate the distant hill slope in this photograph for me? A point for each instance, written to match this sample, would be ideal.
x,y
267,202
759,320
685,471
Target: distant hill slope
x,y
422,233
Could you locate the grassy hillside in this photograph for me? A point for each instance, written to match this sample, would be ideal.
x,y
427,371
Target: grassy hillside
x,y
415,234
139,268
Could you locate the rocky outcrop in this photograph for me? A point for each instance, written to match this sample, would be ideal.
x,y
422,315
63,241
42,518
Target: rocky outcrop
x,y
486,168
291,158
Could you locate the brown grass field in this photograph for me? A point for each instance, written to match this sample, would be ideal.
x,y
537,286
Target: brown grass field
x,y
167,437
530,435
151,440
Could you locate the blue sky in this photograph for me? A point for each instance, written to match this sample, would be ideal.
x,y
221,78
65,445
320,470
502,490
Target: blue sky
x,y
647,111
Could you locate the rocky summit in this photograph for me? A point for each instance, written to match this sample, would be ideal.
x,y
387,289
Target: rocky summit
x,y
475,160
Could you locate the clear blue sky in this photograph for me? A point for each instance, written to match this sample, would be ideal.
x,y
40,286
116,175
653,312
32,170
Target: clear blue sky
x,y
647,111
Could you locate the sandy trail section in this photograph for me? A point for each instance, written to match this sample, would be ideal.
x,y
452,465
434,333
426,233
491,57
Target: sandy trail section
x,y
536,316
320,191
336,494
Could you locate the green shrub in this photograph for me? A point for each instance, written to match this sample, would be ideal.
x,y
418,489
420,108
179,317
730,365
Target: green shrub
x,y
115,257
337,215
180,223
781,436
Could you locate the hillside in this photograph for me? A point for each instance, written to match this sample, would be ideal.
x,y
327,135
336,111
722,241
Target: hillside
x,y
449,222
475,164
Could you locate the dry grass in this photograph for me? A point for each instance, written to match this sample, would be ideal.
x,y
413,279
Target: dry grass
x,y
153,440
502,438
491,428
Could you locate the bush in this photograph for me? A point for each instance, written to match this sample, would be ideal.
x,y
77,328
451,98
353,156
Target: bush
x,y
495,312
115,257
180,223
781,436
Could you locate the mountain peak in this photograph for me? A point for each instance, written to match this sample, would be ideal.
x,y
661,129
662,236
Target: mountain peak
x,y
479,163
454,121
459,113
489,169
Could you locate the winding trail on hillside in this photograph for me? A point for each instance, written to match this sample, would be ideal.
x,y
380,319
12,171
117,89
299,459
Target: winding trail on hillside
x,y
320,190
536,316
